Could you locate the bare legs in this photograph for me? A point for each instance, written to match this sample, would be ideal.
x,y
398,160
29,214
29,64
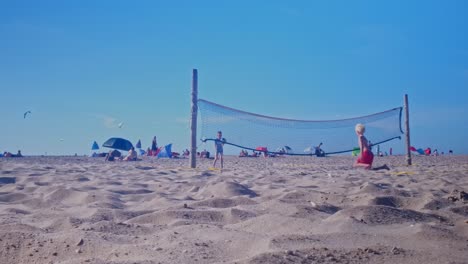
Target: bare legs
x,y
368,166
220,156
362,165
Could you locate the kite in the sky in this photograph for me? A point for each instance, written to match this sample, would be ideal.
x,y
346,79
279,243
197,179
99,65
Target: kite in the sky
x,y
121,124
25,114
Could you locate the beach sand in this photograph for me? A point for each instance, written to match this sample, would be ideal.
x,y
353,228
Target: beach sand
x,y
274,210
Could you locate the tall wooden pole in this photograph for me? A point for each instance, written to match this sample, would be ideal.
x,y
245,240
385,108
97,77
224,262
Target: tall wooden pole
x,y
193,123
408,144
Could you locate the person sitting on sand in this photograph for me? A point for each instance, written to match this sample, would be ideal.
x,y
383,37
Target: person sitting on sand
x,y
19,154
203,154
149,152
112,155
243,153
132,155
186,153
318,151
366,157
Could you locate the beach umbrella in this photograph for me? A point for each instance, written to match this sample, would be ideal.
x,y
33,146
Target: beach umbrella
x,y
118,143
95,146
138,144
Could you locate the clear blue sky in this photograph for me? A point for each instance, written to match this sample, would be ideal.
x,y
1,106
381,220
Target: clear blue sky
x,y
82,67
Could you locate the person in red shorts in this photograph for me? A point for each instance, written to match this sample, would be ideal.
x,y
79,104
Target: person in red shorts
x,y
366,157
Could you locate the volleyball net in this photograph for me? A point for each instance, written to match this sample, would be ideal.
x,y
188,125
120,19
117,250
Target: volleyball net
x,y
255,132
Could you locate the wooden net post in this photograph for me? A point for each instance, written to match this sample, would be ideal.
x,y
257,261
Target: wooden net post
x,y
193,123
408,143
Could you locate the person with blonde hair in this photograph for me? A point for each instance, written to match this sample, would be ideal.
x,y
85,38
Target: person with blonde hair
x,y
366,157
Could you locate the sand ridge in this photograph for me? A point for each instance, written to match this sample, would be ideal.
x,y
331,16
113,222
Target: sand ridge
x,y
274,210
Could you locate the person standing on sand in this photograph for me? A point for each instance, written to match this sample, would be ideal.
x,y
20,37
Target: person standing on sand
x,y
154,146
366,157
219,142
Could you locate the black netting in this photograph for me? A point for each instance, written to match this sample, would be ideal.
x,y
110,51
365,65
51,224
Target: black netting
x,y
247,130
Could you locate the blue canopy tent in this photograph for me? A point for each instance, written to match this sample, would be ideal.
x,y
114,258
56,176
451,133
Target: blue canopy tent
x,y
166,152
138,144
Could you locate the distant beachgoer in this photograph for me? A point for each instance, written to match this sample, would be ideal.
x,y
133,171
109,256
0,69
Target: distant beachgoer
x,y
318,151
203,154
154,146
186,153
110,156
366,157
391,151
243,153
219,142
113,154
132,155
428,151
450,152
148,152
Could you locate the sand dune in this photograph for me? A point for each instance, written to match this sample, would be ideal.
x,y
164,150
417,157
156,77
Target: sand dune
x,y
276,210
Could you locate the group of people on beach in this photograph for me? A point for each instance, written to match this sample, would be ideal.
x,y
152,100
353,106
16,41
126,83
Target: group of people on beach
x,y
244,153
364,160
132,155
7,154
117,155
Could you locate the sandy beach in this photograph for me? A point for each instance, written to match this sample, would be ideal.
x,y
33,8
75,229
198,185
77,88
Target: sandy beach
x,y
274,210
